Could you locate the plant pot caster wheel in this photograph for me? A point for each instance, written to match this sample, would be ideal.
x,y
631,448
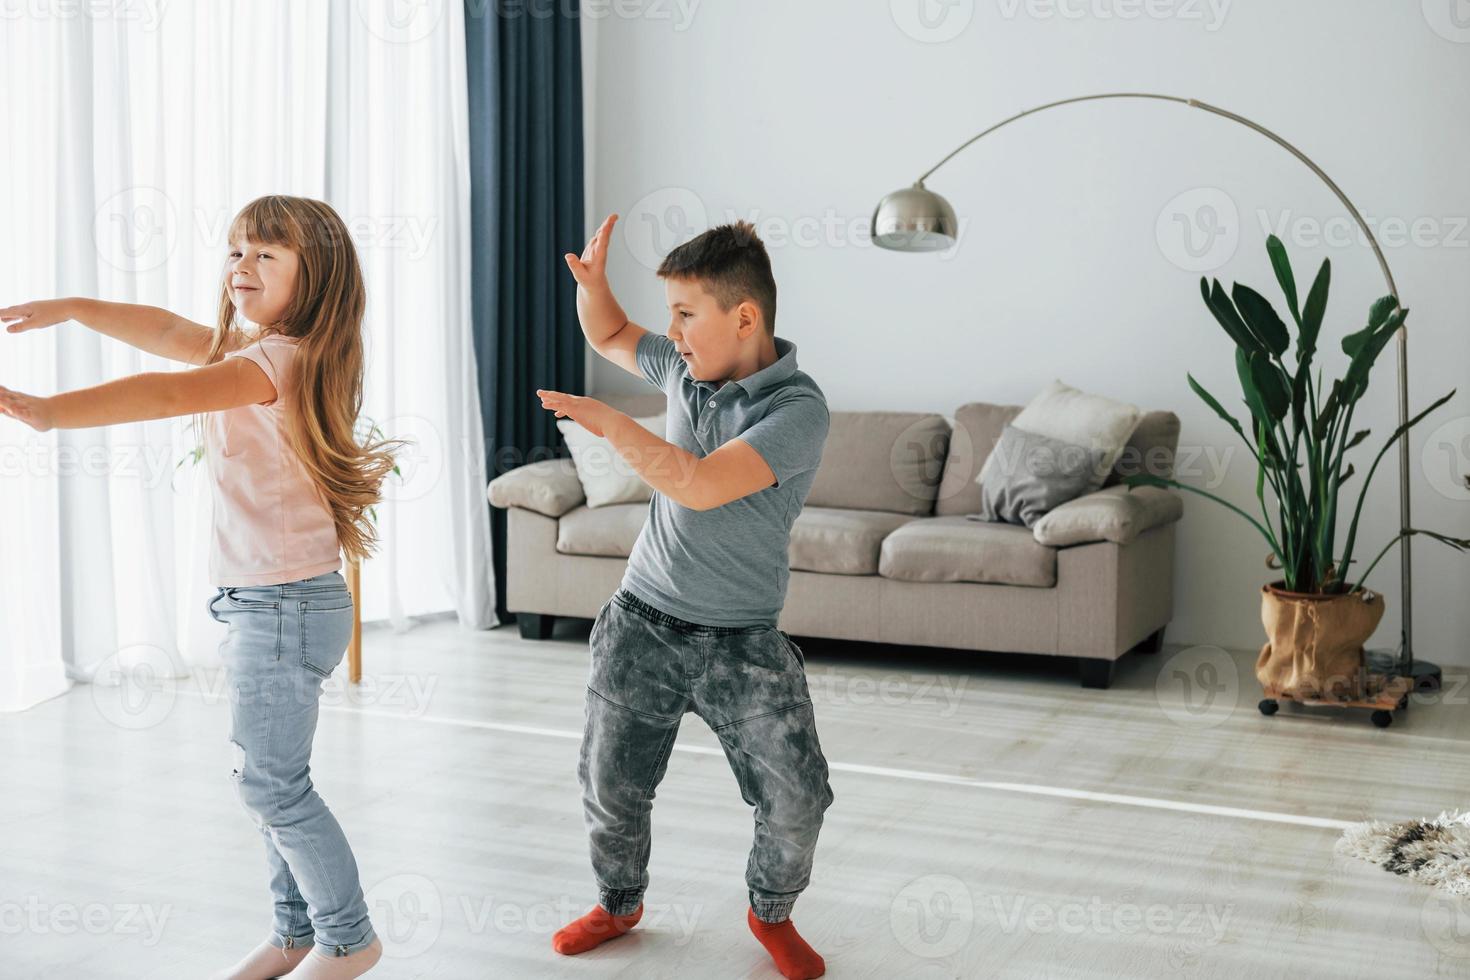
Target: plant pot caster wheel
x,y
1269,706
1382,719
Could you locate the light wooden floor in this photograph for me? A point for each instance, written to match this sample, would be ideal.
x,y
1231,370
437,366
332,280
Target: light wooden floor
x,y
992,819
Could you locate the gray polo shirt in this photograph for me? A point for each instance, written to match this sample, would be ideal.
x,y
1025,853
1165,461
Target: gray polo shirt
x,y
729,566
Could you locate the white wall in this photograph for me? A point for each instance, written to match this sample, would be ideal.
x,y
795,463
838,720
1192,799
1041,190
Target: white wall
x,y
800,116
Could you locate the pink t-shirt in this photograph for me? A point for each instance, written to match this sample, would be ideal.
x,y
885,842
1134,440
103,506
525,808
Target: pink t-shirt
x,y
270,523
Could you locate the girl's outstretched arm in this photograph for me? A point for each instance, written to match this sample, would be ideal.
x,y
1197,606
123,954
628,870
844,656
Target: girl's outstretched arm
x,y
148,328
230,383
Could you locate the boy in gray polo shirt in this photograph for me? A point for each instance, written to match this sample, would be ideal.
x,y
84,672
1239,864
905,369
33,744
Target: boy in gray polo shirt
x,y
693,627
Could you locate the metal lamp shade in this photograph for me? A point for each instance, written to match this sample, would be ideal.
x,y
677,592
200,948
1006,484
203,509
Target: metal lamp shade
x,y
914,219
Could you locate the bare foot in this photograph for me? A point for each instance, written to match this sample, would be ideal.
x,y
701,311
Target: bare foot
x,y
265,962
319,967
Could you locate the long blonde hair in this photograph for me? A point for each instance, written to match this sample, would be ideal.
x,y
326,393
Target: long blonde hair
x,y
325,318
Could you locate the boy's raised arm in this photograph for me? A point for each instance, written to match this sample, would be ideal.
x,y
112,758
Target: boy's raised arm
x,y
604,323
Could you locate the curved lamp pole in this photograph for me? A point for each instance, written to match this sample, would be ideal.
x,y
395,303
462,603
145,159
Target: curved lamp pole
x,y
915,219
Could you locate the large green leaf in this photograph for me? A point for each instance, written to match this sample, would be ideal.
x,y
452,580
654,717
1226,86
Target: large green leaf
x,y
1316,308
1399,432
1327,412
1272,383
1382,309
1263,451
1225,312
1261,318
1299,397
1261,417
1214,404
1284,276
1248,384
1364,356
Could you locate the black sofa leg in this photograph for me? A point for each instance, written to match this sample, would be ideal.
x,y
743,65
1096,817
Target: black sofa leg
x,y
1152,643
1096,672
535,626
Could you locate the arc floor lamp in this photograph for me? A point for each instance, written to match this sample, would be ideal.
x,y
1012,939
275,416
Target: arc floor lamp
x,y
916,219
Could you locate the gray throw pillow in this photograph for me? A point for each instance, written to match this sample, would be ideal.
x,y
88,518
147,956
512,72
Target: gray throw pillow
x,y
1028,474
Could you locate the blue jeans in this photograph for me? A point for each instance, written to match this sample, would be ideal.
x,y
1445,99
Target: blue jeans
x,y
283,642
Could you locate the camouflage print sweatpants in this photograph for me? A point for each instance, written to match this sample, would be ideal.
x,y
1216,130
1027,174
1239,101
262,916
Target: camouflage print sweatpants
x,y
749,685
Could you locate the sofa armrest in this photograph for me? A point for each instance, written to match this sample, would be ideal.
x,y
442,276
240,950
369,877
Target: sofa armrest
x,y
1114,514
549,487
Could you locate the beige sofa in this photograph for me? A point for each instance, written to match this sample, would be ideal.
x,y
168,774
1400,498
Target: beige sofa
x,y
883,551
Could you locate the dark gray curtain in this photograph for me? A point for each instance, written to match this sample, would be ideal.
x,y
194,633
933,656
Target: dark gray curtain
x,y
525,103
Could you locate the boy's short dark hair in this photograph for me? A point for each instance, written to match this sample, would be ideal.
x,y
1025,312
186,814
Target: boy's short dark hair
x,y
731,263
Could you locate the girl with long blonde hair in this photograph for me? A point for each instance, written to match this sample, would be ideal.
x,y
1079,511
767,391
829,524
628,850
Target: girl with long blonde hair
x,y
277,387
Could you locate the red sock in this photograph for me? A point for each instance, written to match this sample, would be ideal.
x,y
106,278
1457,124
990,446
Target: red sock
x,y
794,958
592,930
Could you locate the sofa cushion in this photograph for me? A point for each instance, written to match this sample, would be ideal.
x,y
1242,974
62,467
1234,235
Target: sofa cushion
x,y
955,549
1070,415
608,531
841,542
977,428
1114,514
1150,449
1028,474
549,487
607,478
888,461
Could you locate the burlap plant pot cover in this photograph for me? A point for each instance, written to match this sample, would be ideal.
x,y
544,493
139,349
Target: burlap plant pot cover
x,y
1314,646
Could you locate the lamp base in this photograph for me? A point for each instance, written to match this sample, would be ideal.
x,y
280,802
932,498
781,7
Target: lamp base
x,y
1426,676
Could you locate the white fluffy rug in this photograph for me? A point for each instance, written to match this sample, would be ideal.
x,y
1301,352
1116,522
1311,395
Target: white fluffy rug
x,y
1434,852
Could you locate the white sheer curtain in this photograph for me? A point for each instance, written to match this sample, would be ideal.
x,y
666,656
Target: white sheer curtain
x,y
398,171
132,143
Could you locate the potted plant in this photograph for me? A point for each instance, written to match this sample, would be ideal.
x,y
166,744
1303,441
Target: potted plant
x,y
1319,613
